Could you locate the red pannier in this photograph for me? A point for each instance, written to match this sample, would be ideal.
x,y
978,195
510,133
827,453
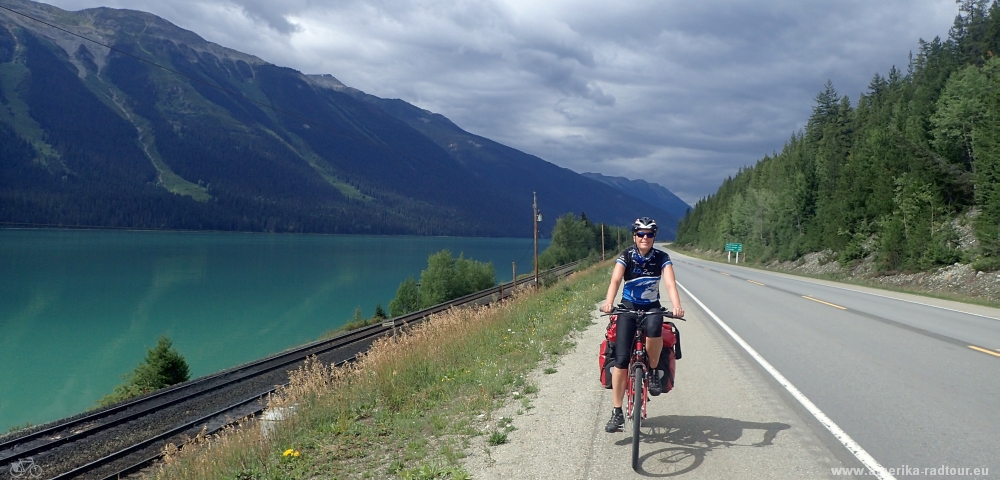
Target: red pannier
x,y
606,358
668,356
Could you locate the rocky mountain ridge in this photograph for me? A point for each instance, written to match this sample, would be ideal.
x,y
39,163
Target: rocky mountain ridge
x,y
224,140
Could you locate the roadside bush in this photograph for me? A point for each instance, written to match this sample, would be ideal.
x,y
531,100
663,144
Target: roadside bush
x,y
578,238
163,367
445,278
407,299
357,321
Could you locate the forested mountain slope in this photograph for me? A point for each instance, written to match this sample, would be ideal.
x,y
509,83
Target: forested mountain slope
x,y
653,193
519,174
91,136
892,178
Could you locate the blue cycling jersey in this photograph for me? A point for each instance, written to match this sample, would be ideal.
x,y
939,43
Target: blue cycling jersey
x,y
642,275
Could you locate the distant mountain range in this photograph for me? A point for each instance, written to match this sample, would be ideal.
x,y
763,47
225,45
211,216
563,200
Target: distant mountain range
x,y
95,137
652,193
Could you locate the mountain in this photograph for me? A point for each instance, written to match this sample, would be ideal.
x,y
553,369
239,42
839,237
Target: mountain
x,y
101,137
519,173
652,193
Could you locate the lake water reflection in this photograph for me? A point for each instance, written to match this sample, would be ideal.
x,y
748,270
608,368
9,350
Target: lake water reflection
x,y
79,308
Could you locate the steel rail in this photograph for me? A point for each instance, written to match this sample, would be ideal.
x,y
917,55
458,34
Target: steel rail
x,y
149,441
149,460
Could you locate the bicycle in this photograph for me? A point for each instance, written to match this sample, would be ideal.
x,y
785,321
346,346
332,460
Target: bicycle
x,y
25,468
637,389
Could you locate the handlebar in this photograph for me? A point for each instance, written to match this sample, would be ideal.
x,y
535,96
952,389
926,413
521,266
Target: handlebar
x,y
620,309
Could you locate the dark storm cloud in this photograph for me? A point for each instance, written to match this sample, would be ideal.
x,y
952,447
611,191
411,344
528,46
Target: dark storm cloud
x,y
678,92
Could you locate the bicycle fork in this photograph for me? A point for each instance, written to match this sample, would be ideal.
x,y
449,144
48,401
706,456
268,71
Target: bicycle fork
x,y
639,368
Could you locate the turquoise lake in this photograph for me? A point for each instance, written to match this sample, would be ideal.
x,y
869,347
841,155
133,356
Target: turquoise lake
x,y
79,308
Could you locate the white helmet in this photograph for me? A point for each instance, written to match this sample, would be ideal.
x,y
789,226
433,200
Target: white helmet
x,y
644,223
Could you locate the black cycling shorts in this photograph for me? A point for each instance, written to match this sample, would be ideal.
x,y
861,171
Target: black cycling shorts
x,y
625,332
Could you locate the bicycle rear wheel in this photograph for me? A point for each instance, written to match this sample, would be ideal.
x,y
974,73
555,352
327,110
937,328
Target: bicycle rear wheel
x,y
638,397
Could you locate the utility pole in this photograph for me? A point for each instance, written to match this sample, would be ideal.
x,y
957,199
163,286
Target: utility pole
x,y
602,242
537,218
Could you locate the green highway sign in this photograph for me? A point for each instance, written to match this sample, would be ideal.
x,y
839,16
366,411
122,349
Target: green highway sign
x,y
734,247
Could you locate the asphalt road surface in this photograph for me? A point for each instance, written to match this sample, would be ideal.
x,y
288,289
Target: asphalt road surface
x,y
914,384
894,372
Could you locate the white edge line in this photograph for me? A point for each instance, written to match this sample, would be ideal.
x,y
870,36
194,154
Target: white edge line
x,y
870,463
810,280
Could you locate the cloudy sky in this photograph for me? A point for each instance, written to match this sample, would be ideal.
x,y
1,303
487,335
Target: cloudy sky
x,y
682,93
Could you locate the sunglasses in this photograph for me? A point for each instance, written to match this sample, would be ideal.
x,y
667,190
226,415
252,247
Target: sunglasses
x,y
645,234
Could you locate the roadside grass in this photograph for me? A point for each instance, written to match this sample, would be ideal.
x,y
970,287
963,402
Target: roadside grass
x,y
410,406
718,258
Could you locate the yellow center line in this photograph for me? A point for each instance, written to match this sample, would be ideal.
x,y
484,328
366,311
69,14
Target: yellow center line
x,y
984,350
824,303
758,283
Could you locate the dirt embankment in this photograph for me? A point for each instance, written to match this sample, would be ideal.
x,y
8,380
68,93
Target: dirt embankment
x,y
959,280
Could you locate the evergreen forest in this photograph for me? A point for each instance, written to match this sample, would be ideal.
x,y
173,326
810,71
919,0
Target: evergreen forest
x,y
908,176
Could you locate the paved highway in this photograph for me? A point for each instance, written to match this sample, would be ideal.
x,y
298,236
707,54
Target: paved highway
x,y
913,384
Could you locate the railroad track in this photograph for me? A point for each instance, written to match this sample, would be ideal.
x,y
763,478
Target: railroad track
x,y
122,439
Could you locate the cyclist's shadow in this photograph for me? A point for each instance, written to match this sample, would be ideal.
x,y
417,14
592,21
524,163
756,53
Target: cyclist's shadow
x,y
693,437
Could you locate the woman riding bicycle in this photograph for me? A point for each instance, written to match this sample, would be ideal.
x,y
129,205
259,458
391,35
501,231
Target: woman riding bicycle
x,y
641,266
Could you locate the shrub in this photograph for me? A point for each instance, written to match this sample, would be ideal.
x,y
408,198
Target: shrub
x,y
163,367
445,278
407,299
575,239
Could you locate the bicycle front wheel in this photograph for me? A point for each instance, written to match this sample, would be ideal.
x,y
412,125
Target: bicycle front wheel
x,y
638,397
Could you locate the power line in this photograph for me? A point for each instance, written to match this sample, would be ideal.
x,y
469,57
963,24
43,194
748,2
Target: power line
x,y
526,252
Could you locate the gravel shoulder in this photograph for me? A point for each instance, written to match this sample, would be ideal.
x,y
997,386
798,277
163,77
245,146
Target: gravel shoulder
x,y
723,419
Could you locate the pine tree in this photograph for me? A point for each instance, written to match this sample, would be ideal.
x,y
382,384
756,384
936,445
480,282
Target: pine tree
x,y
162,367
